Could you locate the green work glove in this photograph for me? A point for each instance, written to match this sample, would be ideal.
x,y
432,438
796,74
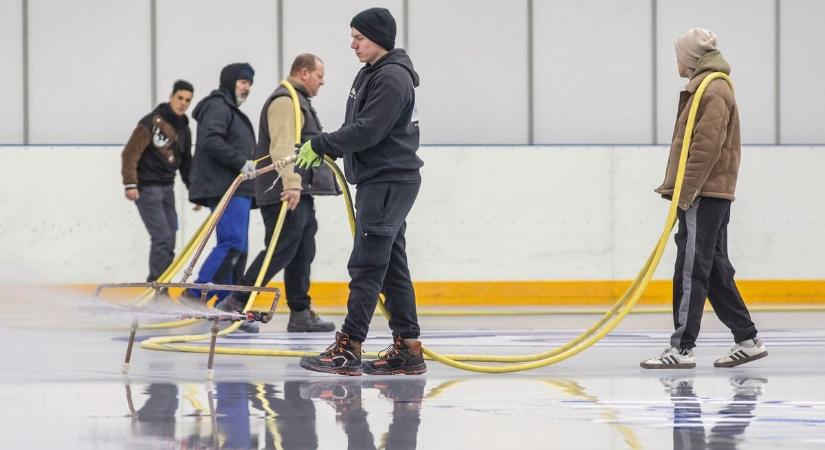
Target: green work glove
x,y
307,158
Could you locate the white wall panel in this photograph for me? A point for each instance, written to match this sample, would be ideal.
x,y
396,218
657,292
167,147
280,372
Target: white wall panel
x,y
472,58
802,46
11,71
330,40
197,38
573,213
89,69
593,72
746,31
478,216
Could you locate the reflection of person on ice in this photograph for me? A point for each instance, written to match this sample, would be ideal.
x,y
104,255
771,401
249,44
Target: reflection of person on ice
x,y
378,142
703,269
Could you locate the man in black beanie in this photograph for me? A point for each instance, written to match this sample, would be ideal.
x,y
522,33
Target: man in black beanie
x,y
378,142
224,147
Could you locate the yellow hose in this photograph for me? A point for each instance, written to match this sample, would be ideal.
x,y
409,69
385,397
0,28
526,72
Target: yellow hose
x,y
601,328
634,292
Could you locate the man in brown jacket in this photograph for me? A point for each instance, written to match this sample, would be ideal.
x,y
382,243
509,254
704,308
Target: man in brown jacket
x,y
703,269
159,146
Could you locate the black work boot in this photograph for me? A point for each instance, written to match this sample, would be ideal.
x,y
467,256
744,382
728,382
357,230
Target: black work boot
x,y
307,320
403,357
230,303
343,357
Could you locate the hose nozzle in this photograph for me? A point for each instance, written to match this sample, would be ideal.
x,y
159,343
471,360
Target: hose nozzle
x,y
285,161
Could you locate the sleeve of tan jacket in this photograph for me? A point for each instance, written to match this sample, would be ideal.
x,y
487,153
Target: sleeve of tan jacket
x,y
705,147
132,152
281,117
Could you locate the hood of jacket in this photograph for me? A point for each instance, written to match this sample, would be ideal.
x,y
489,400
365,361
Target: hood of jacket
x,y
709,62
400,57
223,94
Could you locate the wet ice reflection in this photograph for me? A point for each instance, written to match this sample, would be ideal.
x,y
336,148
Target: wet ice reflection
x,y
405,412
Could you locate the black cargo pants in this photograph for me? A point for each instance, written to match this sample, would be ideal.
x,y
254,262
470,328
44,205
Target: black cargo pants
x,y
293,253
378,262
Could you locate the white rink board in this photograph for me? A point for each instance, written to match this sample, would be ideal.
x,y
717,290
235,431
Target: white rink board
x,y
484,213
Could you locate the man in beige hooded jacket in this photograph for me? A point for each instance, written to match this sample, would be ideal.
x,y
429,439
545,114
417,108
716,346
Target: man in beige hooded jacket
x,y
703,269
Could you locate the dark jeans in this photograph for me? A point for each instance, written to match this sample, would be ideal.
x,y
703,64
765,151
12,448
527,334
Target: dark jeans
x,y
703,270
378,262
156,205
293,253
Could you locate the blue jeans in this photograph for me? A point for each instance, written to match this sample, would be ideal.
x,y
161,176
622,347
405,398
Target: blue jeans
x,y
226,263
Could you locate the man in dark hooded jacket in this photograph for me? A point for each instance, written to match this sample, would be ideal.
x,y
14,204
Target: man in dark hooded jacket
x,y
378,142
160,145
224,148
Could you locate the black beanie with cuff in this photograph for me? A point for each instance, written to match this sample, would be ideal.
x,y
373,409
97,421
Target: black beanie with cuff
x,y
378,25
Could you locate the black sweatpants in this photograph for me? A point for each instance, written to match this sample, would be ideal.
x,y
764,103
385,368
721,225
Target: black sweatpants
x,y
293,253
703,270
378,262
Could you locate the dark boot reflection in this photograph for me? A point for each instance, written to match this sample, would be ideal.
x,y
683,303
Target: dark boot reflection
x,y
345,398
406,396
290,421
157,416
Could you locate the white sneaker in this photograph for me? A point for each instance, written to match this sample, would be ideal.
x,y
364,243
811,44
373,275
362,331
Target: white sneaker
x,y
678,385
742,352
748,386
671,358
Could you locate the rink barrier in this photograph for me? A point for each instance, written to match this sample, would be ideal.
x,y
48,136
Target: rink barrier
x,y
538,293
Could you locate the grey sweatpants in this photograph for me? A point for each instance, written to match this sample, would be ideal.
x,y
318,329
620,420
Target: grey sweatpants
x,y
156,205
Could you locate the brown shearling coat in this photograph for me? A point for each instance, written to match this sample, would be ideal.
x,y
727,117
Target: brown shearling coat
x,y
715,148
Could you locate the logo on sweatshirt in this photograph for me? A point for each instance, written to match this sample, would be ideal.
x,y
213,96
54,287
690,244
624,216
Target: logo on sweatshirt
x,y
161,141
352,93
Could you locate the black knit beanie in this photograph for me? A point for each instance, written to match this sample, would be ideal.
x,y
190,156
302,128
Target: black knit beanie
x,y
234,72
378,25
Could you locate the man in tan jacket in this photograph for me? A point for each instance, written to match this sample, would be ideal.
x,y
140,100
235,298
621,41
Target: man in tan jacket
x,y
703,269
295,249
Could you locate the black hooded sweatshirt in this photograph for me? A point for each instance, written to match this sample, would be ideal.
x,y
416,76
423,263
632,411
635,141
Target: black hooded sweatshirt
x,y
379,138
